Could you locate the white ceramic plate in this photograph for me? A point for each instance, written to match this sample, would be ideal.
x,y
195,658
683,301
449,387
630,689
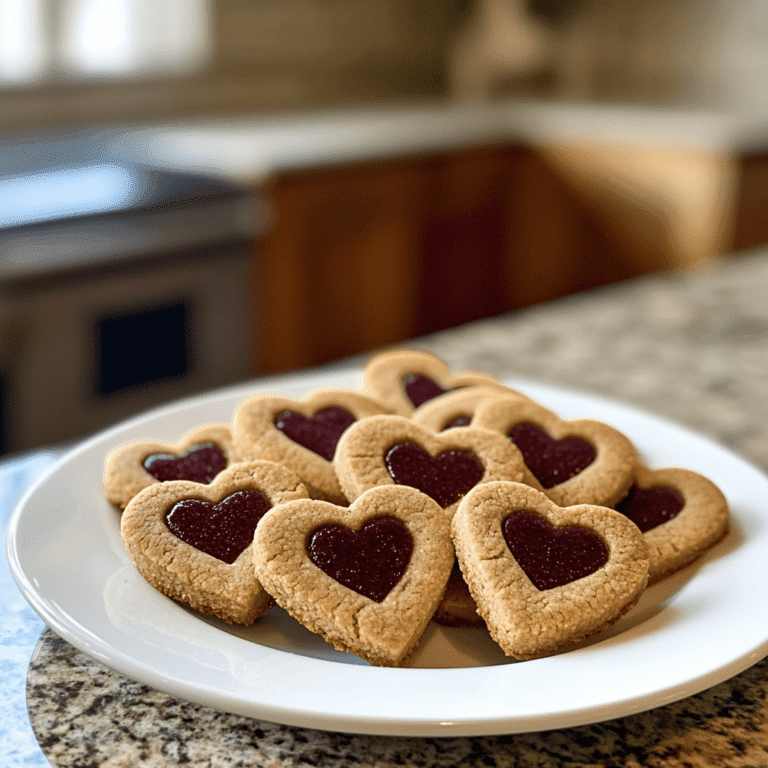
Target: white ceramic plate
x,y
688,633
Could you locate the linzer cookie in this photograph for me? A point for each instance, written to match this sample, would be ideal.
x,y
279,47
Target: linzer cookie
x,y
680,513
198,456
545,577
194,542
366,577
404,379
392,450
575,462
302,434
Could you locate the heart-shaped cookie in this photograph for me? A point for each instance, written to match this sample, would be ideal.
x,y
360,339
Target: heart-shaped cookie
x,y
680,513
574,462
545,577
366,577
198,456
405,379
392,450
302,434
193,542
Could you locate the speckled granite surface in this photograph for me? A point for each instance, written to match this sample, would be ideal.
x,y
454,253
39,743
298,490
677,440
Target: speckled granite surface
x,y
20,626
88,717
693,348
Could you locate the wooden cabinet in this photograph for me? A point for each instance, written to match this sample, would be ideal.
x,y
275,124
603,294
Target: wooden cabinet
x,y
338,272
750,228
367,255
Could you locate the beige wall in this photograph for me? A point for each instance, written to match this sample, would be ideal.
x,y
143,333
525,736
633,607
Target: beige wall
x,y
271,54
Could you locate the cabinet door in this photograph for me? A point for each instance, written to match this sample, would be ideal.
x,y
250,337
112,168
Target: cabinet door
x,y
464,238
338,272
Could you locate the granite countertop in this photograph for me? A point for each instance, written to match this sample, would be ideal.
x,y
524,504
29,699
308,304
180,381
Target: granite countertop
x,y
248,149
243,151
692,347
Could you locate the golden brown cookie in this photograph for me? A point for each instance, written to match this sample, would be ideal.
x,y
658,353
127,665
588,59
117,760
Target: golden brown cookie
x,y
367,577
680,513
392,450
575,462
198,456
456,409
194,542
404,379
545,577
302,434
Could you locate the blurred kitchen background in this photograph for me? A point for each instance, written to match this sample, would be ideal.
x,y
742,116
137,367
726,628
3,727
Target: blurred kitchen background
x,y
197,192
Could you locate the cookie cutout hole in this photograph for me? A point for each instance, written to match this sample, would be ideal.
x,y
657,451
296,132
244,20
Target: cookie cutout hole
x,y
200,464
460,420
550,556
370,561
650,507
445,477
419,389
222,530
552,461
319,433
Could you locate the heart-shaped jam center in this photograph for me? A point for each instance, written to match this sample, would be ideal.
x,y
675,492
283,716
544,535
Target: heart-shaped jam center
x,y
320,433
420,388
370,561
649,507
552,461
458,421
200,464
552,556
222,530
445,477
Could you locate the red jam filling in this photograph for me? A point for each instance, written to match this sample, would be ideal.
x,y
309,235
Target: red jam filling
x,y
458,421
370,561
445,477
649,507
552,556
221,530
420,388
319,433
200,464
552,461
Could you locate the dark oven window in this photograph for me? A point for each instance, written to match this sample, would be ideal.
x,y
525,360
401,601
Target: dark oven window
x,y
144,346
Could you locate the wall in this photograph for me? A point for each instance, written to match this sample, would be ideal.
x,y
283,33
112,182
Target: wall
x,y
660,52
270,55
296,54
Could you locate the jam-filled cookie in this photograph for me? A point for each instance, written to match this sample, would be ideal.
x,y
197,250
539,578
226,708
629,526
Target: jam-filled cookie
x,y
680,513
198,456
302,434
545,577
194,542
456,409
366,577
392,450
405,379
575,462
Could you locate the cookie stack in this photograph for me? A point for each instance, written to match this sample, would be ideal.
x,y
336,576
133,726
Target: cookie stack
x,y
426,495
